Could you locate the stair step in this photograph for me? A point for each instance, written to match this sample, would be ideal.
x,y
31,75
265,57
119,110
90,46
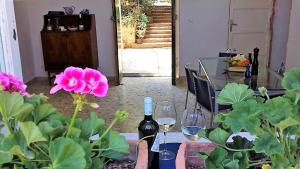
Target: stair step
x,y
153,45
161,14
161,17
159,24
159,28
149,40
162,7
161,11
161,20
158,36
159,32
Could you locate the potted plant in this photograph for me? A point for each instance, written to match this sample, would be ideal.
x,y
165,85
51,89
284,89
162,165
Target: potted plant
x,y
274,123
37,136
141,27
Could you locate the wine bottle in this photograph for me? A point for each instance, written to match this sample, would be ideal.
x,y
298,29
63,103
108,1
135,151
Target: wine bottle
x,y
149,127
255,62
49,26
80,25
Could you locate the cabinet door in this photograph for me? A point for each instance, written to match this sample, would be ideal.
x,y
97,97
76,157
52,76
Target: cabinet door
x,y
54,50
79,49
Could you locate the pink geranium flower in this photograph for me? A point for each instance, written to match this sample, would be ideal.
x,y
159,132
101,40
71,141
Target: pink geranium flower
x,y
12,83
70,80
77,80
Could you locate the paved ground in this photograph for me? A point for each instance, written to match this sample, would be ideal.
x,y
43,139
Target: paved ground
x,y
155,60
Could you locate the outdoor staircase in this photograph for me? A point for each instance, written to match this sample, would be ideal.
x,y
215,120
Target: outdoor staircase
x,y
159,31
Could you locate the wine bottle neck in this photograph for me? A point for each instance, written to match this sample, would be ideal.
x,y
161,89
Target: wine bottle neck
x,y
148,117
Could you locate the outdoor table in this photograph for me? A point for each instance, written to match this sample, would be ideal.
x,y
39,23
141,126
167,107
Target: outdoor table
x,y
215,70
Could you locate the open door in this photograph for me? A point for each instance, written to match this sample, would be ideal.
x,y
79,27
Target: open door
x,y
116,8
9,52
250,26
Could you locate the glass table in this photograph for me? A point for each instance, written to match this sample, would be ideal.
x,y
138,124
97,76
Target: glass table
x,y
216,71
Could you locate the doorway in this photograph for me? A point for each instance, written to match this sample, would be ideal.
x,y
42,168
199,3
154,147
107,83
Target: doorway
x,y
145,38
250,26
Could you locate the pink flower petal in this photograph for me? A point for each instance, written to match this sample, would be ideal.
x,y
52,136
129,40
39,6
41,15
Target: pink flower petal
x,y
101,90
55,89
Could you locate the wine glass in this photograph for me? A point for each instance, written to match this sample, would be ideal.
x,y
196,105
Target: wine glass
x,y
165,116
192,122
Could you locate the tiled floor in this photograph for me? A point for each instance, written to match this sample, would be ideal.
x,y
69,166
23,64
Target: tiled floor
x,y
155,61
128,97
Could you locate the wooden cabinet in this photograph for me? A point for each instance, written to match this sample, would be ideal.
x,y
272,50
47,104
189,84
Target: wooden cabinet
x,y
62,49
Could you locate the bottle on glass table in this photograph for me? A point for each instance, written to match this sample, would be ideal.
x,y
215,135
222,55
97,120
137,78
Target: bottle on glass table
x,y
255,62
149,128
192,122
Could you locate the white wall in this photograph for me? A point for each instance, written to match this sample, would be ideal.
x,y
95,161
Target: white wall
x,y
203,29
23,26
280,32
293,58
101,9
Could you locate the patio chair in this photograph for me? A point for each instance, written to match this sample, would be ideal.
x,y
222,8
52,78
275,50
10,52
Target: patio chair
x,y
190,84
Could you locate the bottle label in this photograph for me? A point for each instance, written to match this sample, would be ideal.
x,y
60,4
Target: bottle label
x,y
155,146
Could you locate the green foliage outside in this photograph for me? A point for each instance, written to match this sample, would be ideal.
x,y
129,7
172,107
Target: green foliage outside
x,y
275,123
135,16
37,136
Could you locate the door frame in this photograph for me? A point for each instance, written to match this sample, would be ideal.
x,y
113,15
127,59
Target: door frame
x,y
270,33
174,64
9,38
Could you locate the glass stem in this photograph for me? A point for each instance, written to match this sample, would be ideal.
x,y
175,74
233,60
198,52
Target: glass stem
x,y
165,135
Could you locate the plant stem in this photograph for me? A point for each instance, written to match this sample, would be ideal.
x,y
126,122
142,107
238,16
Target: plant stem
x,y
78,108
106,131
259,163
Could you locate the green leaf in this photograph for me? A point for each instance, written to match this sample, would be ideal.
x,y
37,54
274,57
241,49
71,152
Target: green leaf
x,y
263,91
234,93
243,116
66,154
291,79
5,157
219,136
92,125
74,132
290,121
267,144
203,155
97,163
31,132
278,109
52,128
232,164
12,104
215,159
43,111
117,145
279,161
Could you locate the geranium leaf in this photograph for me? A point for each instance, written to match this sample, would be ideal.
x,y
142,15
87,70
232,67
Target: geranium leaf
x,y
5,157
243,116
12,104
92,125
234,93
219,136
232,164
66,154
43,111
51,128
287,123
278,109
117,144
291,79
31,132
267,144
215,159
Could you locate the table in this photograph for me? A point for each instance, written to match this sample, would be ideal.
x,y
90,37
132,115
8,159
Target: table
x,y
215,70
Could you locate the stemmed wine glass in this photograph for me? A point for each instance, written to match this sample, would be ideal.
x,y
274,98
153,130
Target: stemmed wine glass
x,y
165,116
192,122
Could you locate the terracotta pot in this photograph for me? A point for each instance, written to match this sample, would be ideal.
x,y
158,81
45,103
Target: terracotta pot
x,y
187,154
142,159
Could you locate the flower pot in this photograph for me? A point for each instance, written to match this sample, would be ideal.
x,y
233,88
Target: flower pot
x,y
187,154
139,41
138,159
